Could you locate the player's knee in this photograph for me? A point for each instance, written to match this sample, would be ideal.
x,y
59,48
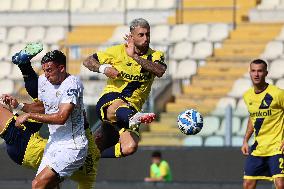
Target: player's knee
x,y
279,184
129,148
111,113
249,184
111,110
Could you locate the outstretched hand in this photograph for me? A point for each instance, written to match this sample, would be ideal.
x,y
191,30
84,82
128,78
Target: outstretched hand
x,y
10,100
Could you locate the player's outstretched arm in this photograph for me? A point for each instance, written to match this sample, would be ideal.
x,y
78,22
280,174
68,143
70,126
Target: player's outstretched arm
x,y
91,63
60,117
36,107
249,132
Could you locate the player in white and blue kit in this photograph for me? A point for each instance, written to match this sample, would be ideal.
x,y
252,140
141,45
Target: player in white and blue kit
x,y
60,105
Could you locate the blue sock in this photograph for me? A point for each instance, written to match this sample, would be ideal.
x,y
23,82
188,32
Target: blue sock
x,y
30,78
123,114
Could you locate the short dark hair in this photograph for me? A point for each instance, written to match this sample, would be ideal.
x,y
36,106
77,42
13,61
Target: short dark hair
x,y
157,154
139,22
259,61
54,56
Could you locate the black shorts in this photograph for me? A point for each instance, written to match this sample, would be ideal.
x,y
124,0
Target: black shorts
x,y
17,139
267,167
105,101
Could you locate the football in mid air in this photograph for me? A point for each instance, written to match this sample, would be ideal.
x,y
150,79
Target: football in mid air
x,y
190,122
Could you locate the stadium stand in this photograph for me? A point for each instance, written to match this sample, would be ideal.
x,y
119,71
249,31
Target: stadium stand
x,y
207,53
223,76
280,83
208,44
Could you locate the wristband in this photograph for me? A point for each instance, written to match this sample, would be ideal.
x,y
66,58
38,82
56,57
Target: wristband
x,y
103,67
19,107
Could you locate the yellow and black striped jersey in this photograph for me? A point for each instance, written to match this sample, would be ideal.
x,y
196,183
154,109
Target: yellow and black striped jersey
x,y
266,111
134,82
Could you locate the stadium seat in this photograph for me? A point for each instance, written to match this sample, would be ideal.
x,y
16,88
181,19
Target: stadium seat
x,y
54,34
273,50
280,83
4,51
179,33
54,46
269,81
181,50
15,73
20,5
276,69
131,4
160,34
236,125
3,34
198,32
35,34
268,4
280,37
170,4
76,6
95,88
14,49
7,86
110,5
202,50
118,34
240,87
55,5
161,47
193,141
243,127
5,69
210,125
172,67
91,5
87,74
241,109
237,141
212,141
185,69
222,104
36,5
91,100
5,5
280,5
218,32
16,34
146,4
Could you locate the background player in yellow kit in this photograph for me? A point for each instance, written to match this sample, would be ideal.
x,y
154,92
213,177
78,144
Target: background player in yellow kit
x,y
265,103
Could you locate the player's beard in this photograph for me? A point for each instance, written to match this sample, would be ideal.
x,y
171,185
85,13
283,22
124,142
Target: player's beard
x,y
143,48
